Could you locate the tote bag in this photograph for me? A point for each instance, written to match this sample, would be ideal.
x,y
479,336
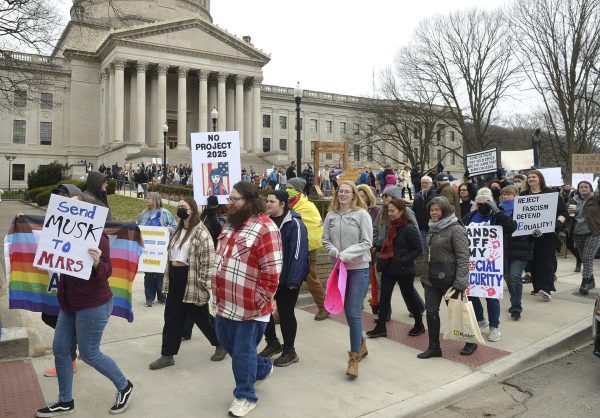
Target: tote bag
x,y
462,323
335,292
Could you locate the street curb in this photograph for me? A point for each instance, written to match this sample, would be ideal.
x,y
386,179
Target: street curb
x,y
540,352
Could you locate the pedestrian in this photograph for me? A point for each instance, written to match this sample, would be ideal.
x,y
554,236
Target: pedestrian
x,y
324,179
96,185
307,175
188,282
348,235
404,181
314,225
368,197
444,189
419,206
415,177
248,267
155,215
448,248
291,170
466,204
586,232
85,308
294,239
396,262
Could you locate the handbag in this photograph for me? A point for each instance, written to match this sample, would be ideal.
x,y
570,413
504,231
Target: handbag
x,y
335,292
441,273
462,324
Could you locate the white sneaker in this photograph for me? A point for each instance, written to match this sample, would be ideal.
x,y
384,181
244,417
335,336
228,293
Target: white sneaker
x,y
546,297
494,334
241,407
483,324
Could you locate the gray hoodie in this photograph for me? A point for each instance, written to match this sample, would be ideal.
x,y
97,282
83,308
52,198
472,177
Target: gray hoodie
x,y
349,235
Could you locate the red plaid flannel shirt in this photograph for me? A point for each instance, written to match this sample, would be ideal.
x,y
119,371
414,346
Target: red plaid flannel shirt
x,y
249,262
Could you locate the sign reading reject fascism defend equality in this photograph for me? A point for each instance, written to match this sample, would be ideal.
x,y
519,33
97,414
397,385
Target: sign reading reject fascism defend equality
x,y
535,214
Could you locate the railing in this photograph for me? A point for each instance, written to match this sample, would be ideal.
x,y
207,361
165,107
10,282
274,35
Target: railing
x,y
12,195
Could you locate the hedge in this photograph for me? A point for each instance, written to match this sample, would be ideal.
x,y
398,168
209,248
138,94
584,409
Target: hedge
x,y
172,190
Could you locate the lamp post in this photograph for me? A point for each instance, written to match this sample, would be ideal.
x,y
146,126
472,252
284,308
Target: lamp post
x,y
165,132
214,115
298,97
10,159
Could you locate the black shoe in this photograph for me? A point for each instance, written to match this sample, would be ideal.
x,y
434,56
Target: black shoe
x,y
468,349
379,330
286,359
219,354
56,409
431,352
416,331
271,349
534,292
122,401
526,278
577,268
584,289
515,315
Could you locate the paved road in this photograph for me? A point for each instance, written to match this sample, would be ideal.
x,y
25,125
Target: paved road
x,y
567,387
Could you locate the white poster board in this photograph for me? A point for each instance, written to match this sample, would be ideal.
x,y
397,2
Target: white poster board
x,y
517,160
577,177
216,164
553,176
70,228
156,242
482,162
486,261
535,214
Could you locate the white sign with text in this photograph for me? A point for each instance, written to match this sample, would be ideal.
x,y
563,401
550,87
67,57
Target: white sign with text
x,y
156,243
482,162
535,214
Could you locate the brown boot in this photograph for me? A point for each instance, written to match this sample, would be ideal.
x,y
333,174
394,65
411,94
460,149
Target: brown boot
x,y
363,349
353,364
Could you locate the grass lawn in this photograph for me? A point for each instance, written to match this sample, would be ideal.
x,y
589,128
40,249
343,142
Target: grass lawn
x,y
129,209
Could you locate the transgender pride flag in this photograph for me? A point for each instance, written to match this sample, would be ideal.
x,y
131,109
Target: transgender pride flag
x,y
34,290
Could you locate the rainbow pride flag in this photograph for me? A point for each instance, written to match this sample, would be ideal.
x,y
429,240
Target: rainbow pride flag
x,y
34,290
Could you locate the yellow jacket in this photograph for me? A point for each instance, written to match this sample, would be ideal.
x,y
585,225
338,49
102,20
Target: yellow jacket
x,y
312,219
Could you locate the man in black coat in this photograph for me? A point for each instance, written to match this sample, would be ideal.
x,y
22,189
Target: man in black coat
x,y
290,173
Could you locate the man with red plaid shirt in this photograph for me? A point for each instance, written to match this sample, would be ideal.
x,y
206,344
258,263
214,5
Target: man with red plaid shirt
x,y
249,260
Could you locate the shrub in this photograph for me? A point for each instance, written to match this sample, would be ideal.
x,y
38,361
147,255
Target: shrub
x,y
112,185
172,190
46,175
43,198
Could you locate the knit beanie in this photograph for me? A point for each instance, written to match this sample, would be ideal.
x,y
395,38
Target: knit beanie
x,y
394,191
297,183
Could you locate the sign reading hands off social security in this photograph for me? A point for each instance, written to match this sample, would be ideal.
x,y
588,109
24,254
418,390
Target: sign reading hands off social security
x,y
70,228
535,214
486,261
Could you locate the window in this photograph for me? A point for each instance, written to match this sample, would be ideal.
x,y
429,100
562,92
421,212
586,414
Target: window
x,y
453,159
328,156
451,136
314,125
439,155
283,144
47,101
356,152
438,135
266,144
18,172
328,126
266,121
370,153
19,130
356,128
20,98
282,122
416,133
343,128
45,133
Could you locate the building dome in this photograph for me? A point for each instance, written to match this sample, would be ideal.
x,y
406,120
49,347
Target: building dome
x,y
121,13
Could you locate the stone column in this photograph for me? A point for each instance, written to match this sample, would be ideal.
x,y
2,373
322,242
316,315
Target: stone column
x,y
111,105
182,108
140,134
248,117
203,101
257,131
161,117
221,104
131,136
239,108
230,105
119,99
104,81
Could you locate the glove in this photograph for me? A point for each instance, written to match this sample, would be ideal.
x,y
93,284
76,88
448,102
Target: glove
x,y
559,226
334,253
212,202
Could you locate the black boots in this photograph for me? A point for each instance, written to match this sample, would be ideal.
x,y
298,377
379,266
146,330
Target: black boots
x,y
433,325
379,330
577,267
584,289
468,349
418,329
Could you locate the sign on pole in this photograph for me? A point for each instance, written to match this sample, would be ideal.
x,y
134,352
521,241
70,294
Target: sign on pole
x,y
486,261
482,162
577,177
586,163
517,160
156,243
216,164
70,228
535,214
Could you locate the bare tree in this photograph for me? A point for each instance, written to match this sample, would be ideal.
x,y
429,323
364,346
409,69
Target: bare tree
x,y
560,49
467,57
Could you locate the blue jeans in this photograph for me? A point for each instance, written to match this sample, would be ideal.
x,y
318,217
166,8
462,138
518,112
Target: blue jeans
x,y
356,290
493,308
424,240
239,339
515,284
87,326
153,283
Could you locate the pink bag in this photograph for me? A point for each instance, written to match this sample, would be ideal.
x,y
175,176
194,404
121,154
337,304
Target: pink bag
x,y
336,288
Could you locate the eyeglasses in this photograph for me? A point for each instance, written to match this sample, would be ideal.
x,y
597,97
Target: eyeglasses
x,y
345,192
234,199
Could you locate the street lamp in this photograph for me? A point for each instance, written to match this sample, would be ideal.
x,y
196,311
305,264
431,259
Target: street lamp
x,y
165,129
298,97
10,159
214,115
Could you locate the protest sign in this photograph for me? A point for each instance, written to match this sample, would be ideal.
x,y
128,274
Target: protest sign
x,y
586,163
577,177
517,160
482,162
486,261
535,214
70,228
154,257
553,176
216,164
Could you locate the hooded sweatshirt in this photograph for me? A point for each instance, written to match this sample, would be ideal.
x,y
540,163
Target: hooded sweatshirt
x,y
93,186
349,236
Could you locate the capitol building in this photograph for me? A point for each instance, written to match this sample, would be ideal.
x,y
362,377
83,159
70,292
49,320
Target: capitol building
x,y
111,84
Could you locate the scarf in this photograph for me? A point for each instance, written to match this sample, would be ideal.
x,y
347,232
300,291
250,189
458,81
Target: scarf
x,y
387,249
508,206
435,227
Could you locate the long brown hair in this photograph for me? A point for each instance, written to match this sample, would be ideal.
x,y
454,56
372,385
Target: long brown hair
x,y
401,206
540,176
194,220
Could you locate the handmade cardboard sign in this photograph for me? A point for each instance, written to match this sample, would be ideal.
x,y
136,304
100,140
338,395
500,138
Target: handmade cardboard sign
x,y
482,162
156,242
535,214
486,261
